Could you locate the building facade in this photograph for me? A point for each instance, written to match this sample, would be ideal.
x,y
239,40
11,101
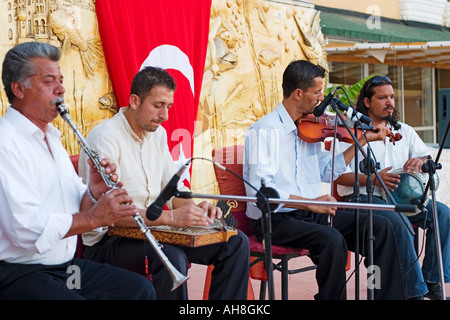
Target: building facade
x,y
406,40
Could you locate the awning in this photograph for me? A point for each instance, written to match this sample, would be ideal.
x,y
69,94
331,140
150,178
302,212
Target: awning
x,y
433,54
357,26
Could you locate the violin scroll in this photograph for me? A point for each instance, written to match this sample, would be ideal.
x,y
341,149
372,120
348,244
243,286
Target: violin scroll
x,y
394,137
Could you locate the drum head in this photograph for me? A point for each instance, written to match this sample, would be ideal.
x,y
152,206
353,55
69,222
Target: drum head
x,y
409,191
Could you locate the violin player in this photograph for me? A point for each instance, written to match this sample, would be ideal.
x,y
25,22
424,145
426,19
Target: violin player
x,y
377,101
295,168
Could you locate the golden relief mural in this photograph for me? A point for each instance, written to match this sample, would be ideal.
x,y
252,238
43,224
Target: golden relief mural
x,y
250,43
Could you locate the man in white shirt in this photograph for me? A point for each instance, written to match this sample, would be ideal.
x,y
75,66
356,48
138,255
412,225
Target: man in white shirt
x,y
43,203
377,101
295,169
135,140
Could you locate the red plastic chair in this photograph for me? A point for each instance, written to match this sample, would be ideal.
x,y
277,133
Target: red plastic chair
x,y
232,158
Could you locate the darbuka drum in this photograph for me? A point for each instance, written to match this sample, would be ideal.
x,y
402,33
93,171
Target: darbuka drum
x,y
410,189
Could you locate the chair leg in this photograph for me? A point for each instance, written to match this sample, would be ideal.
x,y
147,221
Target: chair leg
x,y
250,293
207,282
284,278
262,290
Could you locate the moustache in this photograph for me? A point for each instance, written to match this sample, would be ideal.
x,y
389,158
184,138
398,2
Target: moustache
x,y
57,100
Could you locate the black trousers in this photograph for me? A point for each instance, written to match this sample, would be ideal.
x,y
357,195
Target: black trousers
x,y
229,278
328,247
58,282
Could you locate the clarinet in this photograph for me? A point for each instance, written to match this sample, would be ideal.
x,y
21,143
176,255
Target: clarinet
x,y
177,277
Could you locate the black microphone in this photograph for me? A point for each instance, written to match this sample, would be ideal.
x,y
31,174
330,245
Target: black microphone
x,y
320,109
351,113
154,211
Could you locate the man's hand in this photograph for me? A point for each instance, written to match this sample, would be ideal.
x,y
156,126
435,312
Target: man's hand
x,y
112,206
211,210
323,209
379,132
391,180
313,207
413,165
191,214
97,185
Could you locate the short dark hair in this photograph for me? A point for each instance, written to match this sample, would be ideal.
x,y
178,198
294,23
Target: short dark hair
x,y
147,78
300,74
18,67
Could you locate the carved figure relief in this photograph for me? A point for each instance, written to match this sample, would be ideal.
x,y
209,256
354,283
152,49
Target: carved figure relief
x,y
63,24
70,25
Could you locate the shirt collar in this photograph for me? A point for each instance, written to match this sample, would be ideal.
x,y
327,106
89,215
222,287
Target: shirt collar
x,y
128,128
26,127
286,120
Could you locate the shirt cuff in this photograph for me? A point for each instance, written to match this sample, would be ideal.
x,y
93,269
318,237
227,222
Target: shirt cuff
x,y
340,166
57,227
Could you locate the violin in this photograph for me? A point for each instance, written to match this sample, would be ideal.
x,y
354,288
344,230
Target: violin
x,y
316,129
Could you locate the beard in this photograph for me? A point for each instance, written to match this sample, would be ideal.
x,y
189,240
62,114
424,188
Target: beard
x,y
149,127
392,119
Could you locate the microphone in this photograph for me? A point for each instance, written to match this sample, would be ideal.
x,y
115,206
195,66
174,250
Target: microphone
x,y
351,113
154,211
320,109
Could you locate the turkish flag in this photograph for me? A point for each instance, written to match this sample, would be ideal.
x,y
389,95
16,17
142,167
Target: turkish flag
x,y
169,34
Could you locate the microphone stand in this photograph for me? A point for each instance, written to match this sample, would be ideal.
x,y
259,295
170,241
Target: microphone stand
x,y
265,197
383,185
430,167
368,168
264,200
349,205
266,225
356,192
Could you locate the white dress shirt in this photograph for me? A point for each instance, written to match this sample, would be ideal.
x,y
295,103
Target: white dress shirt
x,y
387,154
275,153
144,166
39,192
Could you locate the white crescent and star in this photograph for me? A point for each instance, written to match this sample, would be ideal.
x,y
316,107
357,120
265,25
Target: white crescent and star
x,y
171,57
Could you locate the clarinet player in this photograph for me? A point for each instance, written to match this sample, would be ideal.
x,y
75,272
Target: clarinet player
x,y
43,203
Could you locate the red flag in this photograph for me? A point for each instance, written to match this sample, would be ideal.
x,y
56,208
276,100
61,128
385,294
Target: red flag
x,y
169,34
